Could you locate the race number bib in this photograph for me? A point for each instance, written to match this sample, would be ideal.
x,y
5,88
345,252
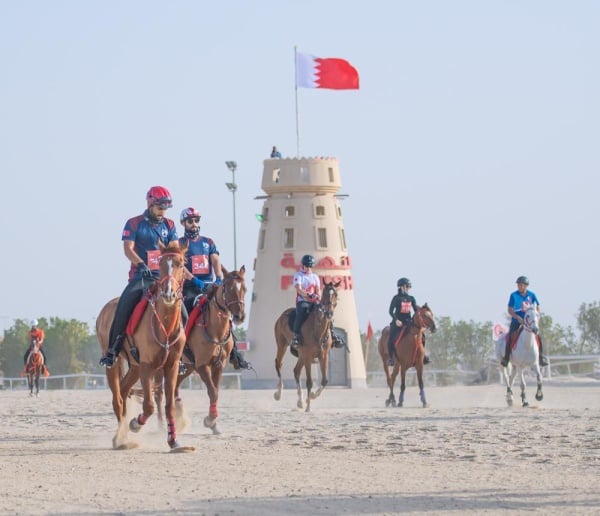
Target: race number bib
x,y
154,259
525,306
200,264
405,307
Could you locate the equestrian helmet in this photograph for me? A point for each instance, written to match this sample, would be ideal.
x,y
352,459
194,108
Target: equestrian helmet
x,y
308,260
33,323
188,213
523,279
159,195
404,282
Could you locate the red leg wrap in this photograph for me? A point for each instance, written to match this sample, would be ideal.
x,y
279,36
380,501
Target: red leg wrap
x,y
142,419
212,411
171,429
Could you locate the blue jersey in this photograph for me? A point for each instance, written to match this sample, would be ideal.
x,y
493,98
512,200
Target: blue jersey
x,y
145,236
520,304
198,257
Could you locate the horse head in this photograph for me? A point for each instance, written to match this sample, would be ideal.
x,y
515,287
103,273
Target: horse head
x,y
329,299
424,318
231,293
531,320
172,266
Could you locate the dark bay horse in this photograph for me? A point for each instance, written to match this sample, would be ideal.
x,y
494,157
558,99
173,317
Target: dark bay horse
x,y
409,352
316,343
159,339
210,338
34,368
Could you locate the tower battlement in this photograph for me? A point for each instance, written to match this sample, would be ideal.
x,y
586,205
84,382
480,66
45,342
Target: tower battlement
x,y
310,175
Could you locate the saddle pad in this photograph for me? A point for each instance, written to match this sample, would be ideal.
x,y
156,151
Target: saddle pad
x,y
515,338
193,316
136,316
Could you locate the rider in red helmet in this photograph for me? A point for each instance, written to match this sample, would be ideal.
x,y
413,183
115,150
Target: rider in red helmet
x,y
203,268
140,238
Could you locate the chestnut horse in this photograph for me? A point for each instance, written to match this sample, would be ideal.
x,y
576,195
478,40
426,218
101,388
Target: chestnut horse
x,y
34,368
315,343
210,340
159,339
409,353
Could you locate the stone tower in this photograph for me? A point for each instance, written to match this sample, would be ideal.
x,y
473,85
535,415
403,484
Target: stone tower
x,y
301,215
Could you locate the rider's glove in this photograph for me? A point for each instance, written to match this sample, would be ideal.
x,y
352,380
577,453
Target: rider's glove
x,y
218,281
398,323
198,283
144,270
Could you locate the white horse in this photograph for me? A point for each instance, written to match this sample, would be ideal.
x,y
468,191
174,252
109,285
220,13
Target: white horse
x,y
525,355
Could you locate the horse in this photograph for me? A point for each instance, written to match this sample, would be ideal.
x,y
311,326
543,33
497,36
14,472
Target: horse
x,y
157,342
524,355
34,368
409,352
210,338
315,343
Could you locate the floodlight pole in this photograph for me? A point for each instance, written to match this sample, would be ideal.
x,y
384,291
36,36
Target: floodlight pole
x,y
232,166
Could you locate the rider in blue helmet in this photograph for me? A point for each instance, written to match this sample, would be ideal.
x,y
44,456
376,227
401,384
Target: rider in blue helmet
x,y
518,303
401,309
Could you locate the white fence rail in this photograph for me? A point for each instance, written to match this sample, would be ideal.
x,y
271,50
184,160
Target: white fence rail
x,y
98,381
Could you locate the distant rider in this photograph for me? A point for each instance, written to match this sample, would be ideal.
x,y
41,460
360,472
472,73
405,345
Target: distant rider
x,y
401,311
37,335
518,303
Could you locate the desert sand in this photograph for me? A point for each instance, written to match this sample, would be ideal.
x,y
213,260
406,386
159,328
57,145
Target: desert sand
x,y
467,453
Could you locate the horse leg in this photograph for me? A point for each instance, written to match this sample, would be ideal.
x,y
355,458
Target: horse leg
x,y
419,368
210,421
297,370
278,362
37,383
523,396
507,381
511,380
323,362
402,385
309,382
539,395
171,370
181,418
137,423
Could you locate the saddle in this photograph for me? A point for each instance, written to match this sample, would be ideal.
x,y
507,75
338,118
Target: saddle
x,y
136,316
515,338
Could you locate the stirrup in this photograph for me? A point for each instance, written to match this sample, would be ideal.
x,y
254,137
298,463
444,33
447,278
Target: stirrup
x,y
182,368
504,362
108,361
426,359
237,360
295,342
390,362
543,361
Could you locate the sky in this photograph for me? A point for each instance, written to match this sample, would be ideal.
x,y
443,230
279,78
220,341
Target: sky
x,y
469,154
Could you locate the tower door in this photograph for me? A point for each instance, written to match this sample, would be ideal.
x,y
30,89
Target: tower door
x,y
338,362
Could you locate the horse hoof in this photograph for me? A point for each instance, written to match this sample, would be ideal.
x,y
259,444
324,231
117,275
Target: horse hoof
x,y
387,403
425,404
526,404
209,422
277,395
539,396
300,404
134,426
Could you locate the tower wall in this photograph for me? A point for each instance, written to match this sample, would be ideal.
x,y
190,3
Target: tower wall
x,y
301,215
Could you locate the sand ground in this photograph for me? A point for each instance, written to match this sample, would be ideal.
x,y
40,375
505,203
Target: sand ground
x,y
467,453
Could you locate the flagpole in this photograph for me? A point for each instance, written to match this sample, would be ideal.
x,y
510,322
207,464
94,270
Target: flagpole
x,y
296,95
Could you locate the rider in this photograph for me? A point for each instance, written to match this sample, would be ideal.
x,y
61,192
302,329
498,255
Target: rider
x,y
35,333
141,235
400,311
202,266
518,303
308,293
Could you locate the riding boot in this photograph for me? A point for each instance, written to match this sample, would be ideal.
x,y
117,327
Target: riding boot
x,y
543,361
504,361
111,354
426,359
237,359
391,353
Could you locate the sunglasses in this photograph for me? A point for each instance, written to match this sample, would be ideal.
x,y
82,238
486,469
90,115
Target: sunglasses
x,y
193,219
163,206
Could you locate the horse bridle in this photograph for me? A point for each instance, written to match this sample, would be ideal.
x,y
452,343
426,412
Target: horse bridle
x,y
327,308
421,323
529,326
168,279
228,304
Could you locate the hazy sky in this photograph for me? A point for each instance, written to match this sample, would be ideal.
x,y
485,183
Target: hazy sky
x,y
470,154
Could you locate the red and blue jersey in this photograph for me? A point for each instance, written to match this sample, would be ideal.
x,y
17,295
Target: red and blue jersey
x,y
198,257
146,236
521,303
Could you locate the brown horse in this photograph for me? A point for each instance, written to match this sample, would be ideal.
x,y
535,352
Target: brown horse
x,y
159,340
409,353
210,340
316,343
34,368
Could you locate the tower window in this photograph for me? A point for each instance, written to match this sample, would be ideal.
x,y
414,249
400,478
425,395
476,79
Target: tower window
x,y
343,238
276,172
290,211
261,239
322,238
288,238
338,210
331,177
320,211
